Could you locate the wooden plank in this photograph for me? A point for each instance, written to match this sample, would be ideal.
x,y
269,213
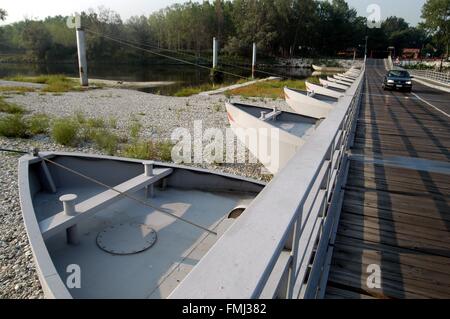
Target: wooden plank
x,y
426,261
398,217
424,206
398,228
337,293
388,174
400,280
394,239
390,290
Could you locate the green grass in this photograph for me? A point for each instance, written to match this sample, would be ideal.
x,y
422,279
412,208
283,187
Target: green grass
x,y
138,150
65,131
270,89
80,117
134,128
54,83
13,126
106,141
192,90
16,89
217,107
150,150
39,124
112,122
95,123
10,108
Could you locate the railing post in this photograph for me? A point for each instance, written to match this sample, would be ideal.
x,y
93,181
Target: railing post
x,y
292,276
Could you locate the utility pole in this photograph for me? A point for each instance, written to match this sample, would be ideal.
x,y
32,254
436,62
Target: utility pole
x,y
82,60
215,53
254,60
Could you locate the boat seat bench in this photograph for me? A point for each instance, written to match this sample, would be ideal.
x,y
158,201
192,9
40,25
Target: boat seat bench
x,y
61,221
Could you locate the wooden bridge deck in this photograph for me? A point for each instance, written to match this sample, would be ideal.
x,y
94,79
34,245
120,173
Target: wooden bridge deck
x,y
396,209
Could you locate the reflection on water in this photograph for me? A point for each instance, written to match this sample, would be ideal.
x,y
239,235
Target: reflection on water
x,y
183,75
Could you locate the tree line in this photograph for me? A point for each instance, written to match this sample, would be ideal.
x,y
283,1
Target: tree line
x,y
280,28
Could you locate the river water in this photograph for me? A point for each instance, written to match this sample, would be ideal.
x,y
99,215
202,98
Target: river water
x,y
183,75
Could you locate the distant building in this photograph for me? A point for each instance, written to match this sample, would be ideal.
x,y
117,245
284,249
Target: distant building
x,y
348,53
411,54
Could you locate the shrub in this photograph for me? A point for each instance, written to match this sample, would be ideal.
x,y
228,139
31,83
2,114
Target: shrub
x,y
135,129
80,117
10,108
39,124
65,131
95,123
150,150
165,151
137,150
106,141
112,121
13,126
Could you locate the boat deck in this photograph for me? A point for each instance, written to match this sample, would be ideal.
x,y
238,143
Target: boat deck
x,y
153,273
396,208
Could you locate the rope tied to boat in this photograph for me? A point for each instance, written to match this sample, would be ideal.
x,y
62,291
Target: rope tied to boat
x,y
35,153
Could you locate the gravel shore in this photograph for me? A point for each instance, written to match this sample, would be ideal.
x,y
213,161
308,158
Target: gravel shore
x,y
159,116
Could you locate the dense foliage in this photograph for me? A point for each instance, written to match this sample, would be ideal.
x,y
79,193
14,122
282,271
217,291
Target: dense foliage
x,y
285,28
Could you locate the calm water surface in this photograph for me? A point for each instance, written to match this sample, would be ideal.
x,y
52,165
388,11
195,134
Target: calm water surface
x,y
183,75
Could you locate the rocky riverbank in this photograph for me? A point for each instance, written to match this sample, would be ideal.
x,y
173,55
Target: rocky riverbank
x,y
159,116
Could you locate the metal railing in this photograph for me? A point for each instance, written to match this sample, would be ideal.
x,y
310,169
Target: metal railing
x,y
281,246
440,77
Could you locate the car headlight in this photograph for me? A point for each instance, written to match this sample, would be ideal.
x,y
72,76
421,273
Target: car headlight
x,y
390,81
408,82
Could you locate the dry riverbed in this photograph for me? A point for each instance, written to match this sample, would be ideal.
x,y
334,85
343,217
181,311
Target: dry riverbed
x,y
159,116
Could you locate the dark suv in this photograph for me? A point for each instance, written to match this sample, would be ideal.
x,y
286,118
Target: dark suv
x,y
397,79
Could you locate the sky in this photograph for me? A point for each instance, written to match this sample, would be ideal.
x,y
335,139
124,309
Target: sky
x,y
20,9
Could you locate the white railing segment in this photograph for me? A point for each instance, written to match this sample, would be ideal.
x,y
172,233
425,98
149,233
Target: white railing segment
x,y
440,77
268,252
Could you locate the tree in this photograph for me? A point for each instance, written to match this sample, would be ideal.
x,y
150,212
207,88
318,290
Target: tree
x,y
436,15
37,39
3,14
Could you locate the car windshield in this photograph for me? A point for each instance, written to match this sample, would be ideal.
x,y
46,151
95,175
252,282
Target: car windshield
x,y
400,74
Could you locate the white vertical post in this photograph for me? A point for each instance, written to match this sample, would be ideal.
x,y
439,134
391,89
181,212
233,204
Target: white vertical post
x,y
82,61
148,171
215,51
254,60
69,209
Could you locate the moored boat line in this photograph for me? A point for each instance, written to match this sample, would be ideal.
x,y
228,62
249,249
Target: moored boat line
x,y
278,135
309,103
315,88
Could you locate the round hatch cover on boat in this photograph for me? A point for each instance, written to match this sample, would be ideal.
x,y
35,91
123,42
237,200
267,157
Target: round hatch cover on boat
x,y
126,238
